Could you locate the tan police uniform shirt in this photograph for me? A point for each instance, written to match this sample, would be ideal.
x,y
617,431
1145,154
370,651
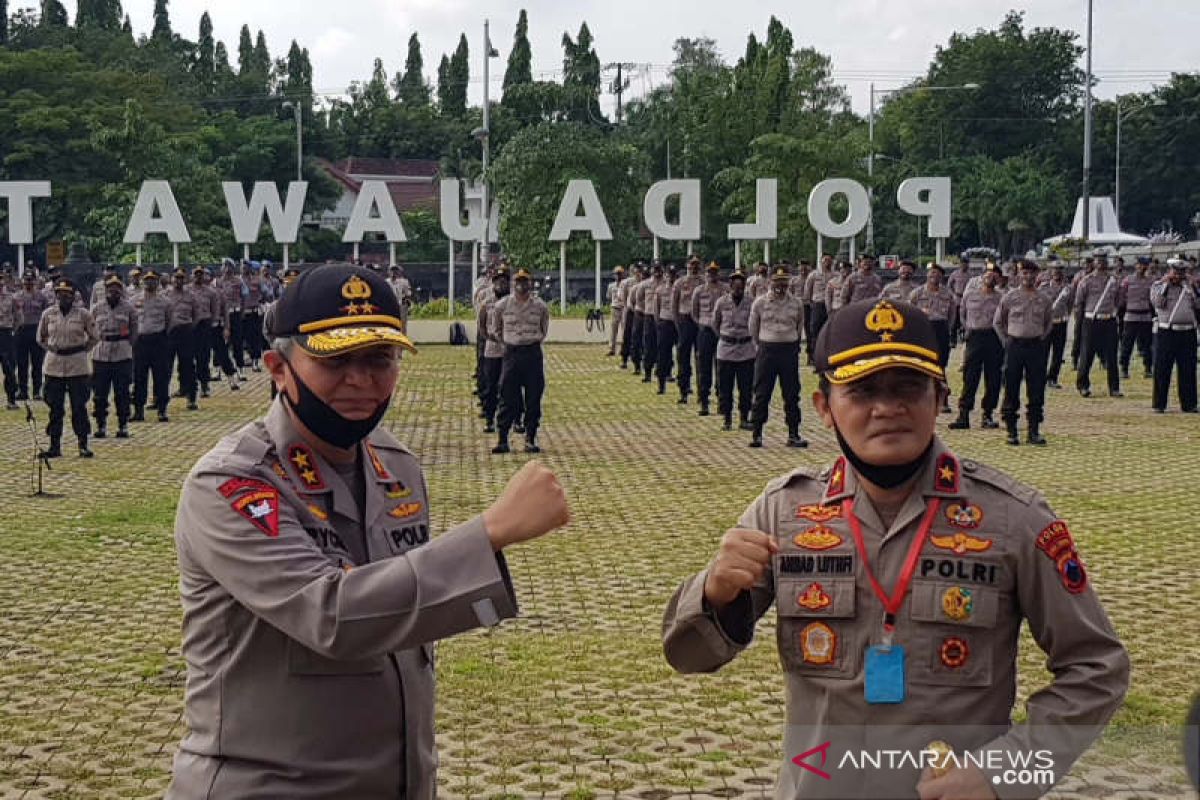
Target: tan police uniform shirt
x,y
309,622
520,323
489,323
814,286
183,306
208,304
664,301
757,285
899,290
154,312
776,320
1135,298
117,328
681,295
1175,306
1059,295
833,290
9,311
1024,314
996,555
861,286
74,331
1097,296
624,290
731,321
704,300
30,306
979,306
641,291
939,305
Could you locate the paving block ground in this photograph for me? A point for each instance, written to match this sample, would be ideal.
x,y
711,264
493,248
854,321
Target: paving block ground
x,y
574,698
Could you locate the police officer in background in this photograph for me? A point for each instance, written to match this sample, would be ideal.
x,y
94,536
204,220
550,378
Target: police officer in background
x,y
1097,298
616,302
152,350
1138,318
32,301
232,289
901,576
863,284
9,315
257,295
642,357
1177,312
522,323
1058,290
735,352
814,295
666,336
313,592
703,302
1024,320
758,283
984,351
487,326
957,282
112,358
686,326
833,287
1080,326
181,336
208,306
67,332
630,341
901,289
649,293
776,324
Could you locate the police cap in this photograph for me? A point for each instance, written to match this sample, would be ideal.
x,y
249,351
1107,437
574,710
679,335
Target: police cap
x,y
337,308
872,335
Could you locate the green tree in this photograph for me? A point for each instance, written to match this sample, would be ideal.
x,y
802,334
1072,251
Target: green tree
x,y
411,87
459,75
245,52
3,22
162,22
221,67
443,82
581,77
54,14
205,67
262,57
520,59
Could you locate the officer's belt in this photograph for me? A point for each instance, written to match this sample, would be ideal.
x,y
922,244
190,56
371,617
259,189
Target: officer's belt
x,y
736,339
1025,339
6,330
71,351
114,337
1177,327
1099,317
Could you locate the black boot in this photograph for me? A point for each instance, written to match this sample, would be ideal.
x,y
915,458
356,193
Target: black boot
x,y
1034,436
490,427
101,428
704,412
139,415
662,386
683,399
963,423
795,439
531,445
83,448
728,426
988,422
756,437
746,424
55,448
162,416
502,444
1013,437
122,432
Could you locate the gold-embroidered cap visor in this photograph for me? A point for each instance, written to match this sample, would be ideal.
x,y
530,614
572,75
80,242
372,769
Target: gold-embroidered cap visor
x,y
857,370
338,341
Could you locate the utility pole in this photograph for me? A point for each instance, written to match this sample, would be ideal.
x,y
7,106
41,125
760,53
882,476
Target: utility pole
x,y
1087,132
620,84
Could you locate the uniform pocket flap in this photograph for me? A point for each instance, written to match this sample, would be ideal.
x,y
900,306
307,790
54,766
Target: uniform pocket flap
x,y
952,603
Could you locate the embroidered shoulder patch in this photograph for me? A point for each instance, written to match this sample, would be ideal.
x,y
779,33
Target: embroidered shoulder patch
x,y
234,485
1056,542
261,507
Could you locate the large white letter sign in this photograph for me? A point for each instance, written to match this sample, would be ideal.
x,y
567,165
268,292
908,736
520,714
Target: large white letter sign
x,y
654,210
935,204
856,198
20,196
766,212
568,220
374,212
451,213
247,218
156,212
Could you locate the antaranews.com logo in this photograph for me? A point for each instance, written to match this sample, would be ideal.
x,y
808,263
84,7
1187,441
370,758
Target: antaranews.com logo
x,y
1007,767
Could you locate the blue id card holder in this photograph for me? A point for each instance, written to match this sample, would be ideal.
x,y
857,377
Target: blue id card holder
x,y
884,674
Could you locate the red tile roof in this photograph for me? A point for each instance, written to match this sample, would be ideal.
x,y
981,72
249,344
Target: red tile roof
x,y
398,167
420,190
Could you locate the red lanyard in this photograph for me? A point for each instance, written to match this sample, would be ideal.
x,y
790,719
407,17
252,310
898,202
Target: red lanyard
x,y
891,605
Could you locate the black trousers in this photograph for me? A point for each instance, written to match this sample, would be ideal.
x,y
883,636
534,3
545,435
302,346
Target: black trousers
x,y
635,339
729,373
252,334
235,343
1025,360
480,343
220,350
183,354
489,396
626,324
29,359
1099,339
665,338
706,359
202,352
57,390
649,343
1175,350
688,330
941,329
152,356
114,377
1141,333
1057,344
522,383
8,363
1077,341
782,361
984,357
816,321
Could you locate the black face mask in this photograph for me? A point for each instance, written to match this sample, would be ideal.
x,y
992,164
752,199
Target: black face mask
x,y
888,476
501,291
64,304
325,422
113,300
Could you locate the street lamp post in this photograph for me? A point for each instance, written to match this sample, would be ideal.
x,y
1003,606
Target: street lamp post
x,y
1158,101
871,142
489,53
299,137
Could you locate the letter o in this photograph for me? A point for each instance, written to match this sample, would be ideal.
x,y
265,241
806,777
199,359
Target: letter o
x,y
856,197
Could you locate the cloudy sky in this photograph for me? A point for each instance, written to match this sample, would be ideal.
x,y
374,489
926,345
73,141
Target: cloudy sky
x,y
1137,44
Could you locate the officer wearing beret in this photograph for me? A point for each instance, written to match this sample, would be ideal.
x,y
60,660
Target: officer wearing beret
x,y
901,576
67,332
313,591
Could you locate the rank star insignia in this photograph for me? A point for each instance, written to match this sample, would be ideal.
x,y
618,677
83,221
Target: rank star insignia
x,y
377,463
945,476
957,603
961,543
818,643
818,537
814,598
818,513
306,467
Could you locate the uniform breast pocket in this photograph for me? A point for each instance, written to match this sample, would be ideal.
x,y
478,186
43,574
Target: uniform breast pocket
x,y
302,661
816,634
956,628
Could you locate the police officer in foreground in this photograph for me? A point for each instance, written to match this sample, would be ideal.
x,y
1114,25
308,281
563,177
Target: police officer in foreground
x,y
901,576
67,332
313,592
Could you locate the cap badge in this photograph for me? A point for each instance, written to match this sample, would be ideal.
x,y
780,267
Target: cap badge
x,y
357,291
885,320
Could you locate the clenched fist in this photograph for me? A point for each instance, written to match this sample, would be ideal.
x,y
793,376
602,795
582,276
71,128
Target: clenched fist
x,y
532,504
742,558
